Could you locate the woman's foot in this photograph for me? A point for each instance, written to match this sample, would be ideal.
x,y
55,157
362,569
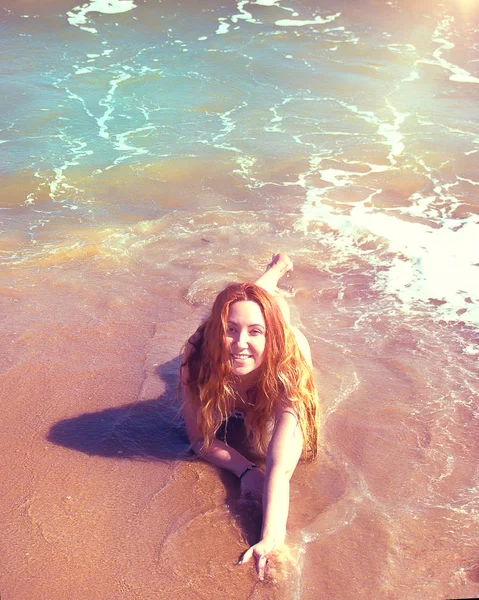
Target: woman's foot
x,y
279,266
283,262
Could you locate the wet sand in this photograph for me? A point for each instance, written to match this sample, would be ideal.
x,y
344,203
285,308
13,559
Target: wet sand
x,y
100,499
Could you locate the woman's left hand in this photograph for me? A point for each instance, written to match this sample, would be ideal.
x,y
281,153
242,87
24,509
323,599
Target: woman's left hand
x,y
252,486
260,552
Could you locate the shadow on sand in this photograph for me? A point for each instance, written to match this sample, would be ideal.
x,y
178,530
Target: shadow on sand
x,y
152,430
143,430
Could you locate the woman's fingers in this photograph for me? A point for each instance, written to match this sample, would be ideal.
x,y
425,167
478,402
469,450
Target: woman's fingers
x,y
260,560
260,566
246,556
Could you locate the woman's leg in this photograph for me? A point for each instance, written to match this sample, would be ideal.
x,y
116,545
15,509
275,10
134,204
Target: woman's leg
x,y
278,267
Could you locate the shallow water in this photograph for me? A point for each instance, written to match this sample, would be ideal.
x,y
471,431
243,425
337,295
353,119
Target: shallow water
x,y
153,152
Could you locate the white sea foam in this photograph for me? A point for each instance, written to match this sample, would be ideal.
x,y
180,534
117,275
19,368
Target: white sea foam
x,y
120,143
229,125
274,120
276,4
430,264
58,185
391,132
224,26
242,14
468,180
413,76
298,23
77,16
84,70
463,76
401,49
471,350
459,74
245,15
441,262
107,102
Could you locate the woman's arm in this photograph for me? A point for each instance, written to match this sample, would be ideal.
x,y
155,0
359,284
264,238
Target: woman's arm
x,y
218,453
223,456
283,455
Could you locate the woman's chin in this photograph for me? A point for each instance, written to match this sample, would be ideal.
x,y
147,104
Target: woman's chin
x,y
242,370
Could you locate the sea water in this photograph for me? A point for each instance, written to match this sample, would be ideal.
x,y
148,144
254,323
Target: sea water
x,y
152,152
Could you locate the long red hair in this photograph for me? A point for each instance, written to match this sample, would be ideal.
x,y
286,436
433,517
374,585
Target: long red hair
x,y
285,376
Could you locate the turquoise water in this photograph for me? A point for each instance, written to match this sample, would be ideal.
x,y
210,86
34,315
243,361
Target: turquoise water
x,y
359,110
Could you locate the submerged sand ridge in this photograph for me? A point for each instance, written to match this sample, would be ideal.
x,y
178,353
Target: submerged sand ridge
x,y
100,498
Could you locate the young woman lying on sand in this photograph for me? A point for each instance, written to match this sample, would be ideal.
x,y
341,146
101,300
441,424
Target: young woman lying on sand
x,y
246,361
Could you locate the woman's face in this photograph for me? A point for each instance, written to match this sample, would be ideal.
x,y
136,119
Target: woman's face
x,y
245,336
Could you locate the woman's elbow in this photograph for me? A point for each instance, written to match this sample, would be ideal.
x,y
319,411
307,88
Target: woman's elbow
x,y
288,472
198,446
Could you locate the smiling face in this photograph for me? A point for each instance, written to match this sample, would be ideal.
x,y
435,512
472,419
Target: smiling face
x,y
245,336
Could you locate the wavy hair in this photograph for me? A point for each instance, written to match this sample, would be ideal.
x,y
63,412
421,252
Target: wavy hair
x,y
285,376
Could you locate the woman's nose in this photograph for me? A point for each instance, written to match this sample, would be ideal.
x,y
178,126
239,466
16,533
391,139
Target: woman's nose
x,y
241,340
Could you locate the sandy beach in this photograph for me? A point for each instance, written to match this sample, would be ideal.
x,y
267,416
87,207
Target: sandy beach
x,y
100,499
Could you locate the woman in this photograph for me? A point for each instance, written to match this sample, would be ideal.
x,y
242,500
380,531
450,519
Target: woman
x,y
246,361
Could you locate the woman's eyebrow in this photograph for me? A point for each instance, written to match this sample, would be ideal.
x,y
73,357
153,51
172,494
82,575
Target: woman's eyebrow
x,y
252,325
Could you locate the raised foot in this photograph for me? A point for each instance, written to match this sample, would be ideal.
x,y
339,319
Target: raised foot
x,y
279,266
282,261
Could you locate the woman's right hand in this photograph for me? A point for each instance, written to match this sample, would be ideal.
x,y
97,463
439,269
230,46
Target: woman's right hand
x,y
252,485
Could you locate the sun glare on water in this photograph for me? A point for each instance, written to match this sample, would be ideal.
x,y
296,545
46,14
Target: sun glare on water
x,y
468,7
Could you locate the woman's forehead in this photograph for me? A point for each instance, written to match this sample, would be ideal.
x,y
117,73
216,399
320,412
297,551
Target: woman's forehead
x,y
246,312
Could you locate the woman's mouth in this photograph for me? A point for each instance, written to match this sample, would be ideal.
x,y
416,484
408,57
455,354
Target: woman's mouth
x,y
241,356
